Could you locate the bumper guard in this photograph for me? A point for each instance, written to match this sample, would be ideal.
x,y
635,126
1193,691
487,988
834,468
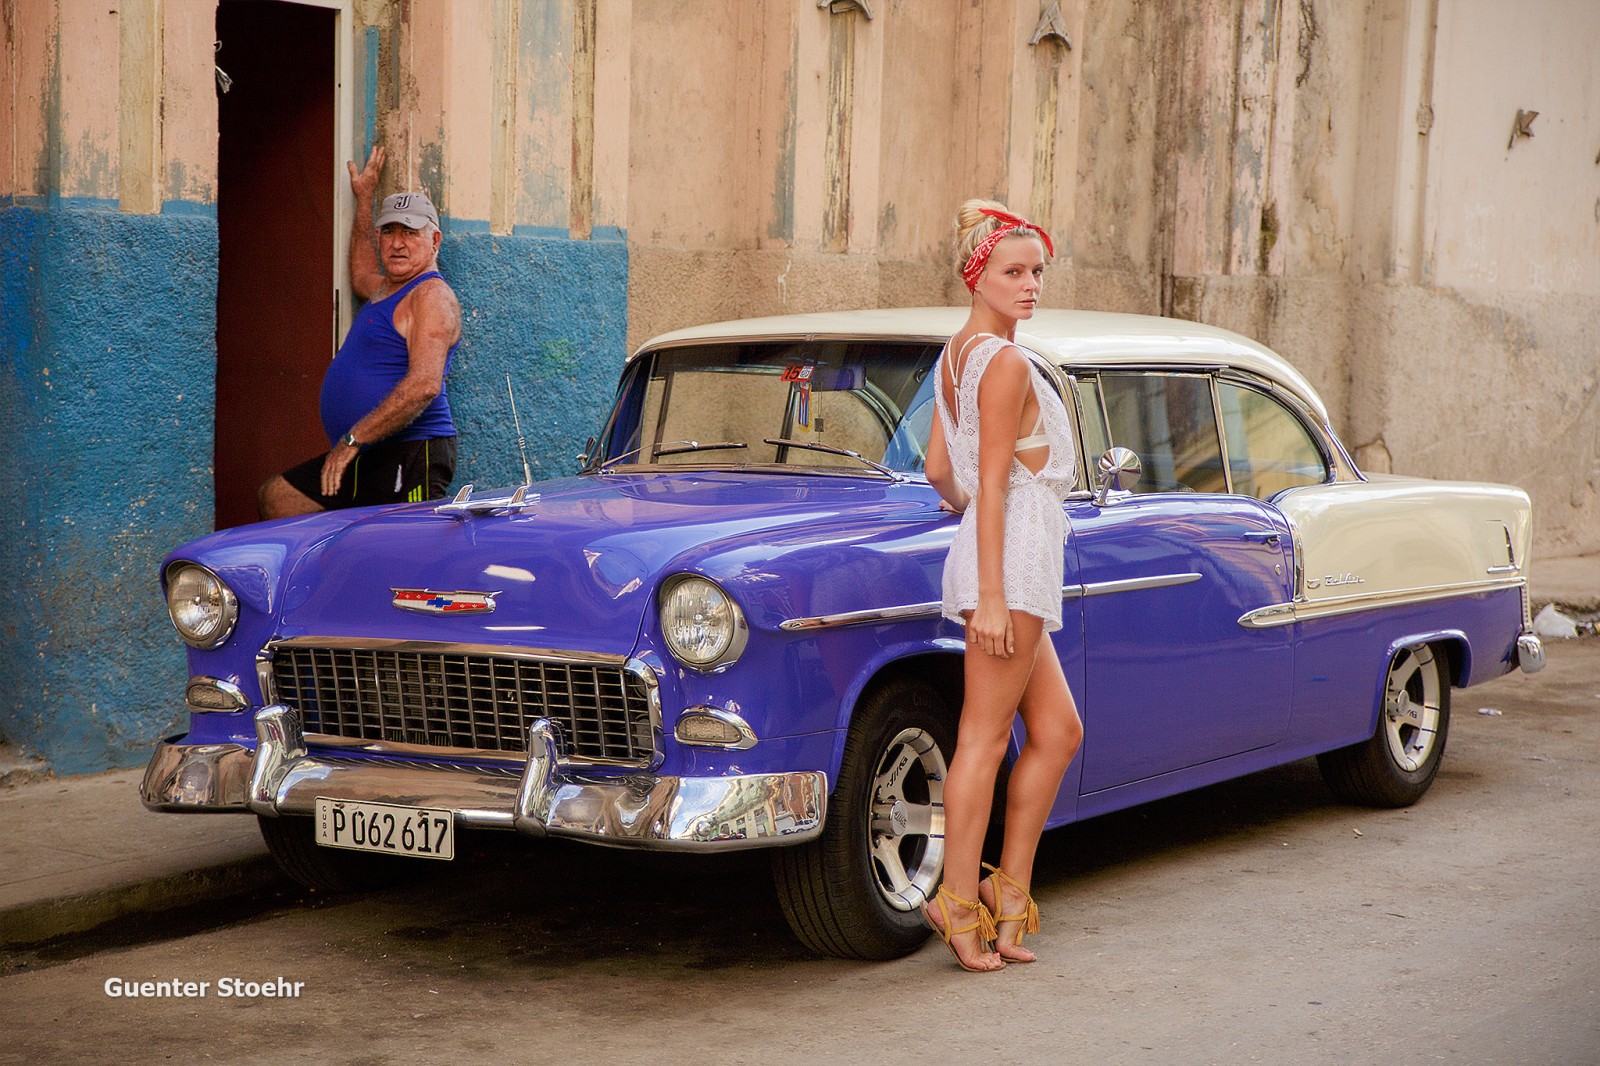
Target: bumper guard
x,y
639,810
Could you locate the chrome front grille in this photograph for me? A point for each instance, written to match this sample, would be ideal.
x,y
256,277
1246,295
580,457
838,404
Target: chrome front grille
x,y
422,698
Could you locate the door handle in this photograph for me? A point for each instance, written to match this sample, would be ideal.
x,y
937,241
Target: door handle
x,y
1265,536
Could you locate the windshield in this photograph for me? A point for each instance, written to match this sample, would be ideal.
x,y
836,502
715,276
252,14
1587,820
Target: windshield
x,y
803,403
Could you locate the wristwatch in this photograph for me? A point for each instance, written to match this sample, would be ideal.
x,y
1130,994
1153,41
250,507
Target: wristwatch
x,y
349,441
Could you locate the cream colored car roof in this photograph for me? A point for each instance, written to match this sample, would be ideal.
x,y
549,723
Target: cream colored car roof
x,y
1068,338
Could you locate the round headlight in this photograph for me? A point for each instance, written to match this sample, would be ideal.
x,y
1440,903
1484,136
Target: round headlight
x,y
702,625
203,609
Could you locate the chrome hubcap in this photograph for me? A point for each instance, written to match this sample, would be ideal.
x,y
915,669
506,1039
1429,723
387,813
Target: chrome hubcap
x,y
1411,707
907,820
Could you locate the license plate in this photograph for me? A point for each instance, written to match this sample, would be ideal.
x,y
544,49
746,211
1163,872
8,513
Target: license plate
x,y
386,828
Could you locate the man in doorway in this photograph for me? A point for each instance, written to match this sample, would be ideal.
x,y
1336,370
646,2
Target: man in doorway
x,y
383,404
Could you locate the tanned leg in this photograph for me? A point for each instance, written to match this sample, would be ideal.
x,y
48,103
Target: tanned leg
x,y
994,687
1055,732
276,498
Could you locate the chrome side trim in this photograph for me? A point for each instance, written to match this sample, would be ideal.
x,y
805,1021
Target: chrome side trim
x,y
1282,614
1136,584
638,810
932,610
863,618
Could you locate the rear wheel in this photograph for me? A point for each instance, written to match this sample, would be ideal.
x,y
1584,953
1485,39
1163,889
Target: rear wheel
x,y
290,843
1397,764
857,889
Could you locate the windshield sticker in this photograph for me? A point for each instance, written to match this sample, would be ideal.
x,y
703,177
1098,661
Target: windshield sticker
x,y
799,373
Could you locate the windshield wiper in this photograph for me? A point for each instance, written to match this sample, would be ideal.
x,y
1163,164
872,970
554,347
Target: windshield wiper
x,y
831,450
674,447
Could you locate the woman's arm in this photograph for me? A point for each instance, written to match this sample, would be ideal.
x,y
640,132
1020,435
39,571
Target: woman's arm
x,y
1001,394
941,475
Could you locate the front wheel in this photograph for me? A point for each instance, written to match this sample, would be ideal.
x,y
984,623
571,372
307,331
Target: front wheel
x,y
856,891
334,870
1397,764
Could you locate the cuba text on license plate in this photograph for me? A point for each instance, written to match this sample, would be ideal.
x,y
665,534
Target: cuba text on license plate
x,y
386,828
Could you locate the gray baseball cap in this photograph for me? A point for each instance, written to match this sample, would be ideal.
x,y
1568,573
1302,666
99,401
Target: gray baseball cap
x,y
411,209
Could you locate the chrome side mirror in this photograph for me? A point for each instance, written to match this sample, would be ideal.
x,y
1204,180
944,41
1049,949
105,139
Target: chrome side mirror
x,y
1119,469
583,456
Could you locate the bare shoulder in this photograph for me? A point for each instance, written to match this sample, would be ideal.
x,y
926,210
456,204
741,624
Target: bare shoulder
x,y
433,304
435,292
1005,379
1008,362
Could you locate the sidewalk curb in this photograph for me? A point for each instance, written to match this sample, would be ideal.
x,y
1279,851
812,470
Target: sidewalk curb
x,y
33,924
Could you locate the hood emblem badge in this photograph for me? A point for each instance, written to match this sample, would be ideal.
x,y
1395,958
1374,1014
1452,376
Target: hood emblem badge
x,y
430,602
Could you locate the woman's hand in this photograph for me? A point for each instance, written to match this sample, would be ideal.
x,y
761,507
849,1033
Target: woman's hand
x,y
989,629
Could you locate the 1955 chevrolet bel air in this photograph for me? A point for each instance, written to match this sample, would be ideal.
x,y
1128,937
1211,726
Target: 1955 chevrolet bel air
x,y
723,631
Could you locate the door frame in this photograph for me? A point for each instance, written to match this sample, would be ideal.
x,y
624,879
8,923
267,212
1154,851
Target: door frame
x,y
344,65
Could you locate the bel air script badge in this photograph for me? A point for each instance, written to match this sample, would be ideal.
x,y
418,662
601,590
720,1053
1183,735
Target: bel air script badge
x,y
430,602
1330,580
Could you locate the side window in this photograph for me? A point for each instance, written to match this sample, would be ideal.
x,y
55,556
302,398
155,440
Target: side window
x,y
1269,449
1168,419
1096,438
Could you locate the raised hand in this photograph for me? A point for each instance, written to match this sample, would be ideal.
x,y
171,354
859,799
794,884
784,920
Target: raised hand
x,y
364,182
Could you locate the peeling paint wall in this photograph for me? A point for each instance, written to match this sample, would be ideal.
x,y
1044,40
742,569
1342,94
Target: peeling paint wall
x,y
108,293
1335,177
107,399
1330,177
499,113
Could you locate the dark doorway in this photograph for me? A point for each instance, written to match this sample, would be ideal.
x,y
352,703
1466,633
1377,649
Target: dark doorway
x,y
275,232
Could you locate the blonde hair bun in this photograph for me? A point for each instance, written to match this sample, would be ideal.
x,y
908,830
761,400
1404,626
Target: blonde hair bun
x,y
972,226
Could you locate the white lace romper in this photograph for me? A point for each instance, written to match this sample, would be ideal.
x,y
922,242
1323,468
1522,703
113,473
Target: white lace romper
x,y
1035,524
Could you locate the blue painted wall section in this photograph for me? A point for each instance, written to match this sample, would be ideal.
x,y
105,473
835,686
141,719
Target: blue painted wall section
x,y
107,329
551,312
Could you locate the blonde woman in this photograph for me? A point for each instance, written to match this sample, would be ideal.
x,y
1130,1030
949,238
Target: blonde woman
x,y
1000,455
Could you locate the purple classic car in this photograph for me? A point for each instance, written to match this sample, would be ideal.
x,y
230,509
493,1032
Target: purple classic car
x,y
723,631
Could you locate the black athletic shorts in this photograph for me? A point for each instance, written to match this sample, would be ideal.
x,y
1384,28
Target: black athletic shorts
x,y
386,472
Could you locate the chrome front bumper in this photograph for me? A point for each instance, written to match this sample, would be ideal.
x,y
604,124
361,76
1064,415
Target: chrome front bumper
x,y
637,810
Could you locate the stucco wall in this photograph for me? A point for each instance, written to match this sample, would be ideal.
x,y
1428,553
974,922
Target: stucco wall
x,y
553,315
107,409
1331,178
1334,178
108,295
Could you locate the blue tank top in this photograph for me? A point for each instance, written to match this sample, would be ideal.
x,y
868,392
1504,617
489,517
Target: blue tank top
x,y
369,364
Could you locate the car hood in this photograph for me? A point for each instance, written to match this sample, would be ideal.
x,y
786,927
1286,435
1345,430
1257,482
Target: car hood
x,y
577,566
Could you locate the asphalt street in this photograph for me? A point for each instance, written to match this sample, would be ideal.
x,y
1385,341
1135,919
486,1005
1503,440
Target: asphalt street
x,y
1255,921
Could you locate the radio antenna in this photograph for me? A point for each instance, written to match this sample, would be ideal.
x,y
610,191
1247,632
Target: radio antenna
x,y
522,446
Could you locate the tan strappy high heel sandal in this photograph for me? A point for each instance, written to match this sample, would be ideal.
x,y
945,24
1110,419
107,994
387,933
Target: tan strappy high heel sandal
x,y
1028,916
982,922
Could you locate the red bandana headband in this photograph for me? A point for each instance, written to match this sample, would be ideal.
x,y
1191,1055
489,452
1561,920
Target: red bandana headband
x,y
1009,224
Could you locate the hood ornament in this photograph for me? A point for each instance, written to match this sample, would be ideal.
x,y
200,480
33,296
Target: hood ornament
x,y
430,602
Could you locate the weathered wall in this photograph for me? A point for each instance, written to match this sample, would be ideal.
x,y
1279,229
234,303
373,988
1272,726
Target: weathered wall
x,y
506,113
1331,176
107,297
108,413
108,241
